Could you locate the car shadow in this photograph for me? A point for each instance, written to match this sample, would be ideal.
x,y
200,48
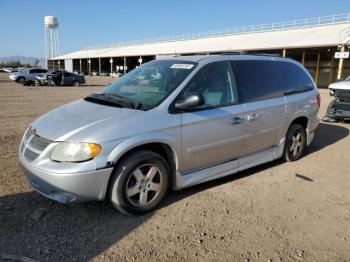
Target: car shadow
x,y
326,135
37,228
41,229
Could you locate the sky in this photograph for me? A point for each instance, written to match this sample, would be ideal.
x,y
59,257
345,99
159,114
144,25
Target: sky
x,y
85,23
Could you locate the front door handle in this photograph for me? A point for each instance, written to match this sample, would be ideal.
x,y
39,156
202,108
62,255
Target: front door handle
x,y
252,117
237,120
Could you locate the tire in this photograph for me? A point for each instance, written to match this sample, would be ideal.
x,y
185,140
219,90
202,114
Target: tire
x,y
295,143
76,83
130,191
20,80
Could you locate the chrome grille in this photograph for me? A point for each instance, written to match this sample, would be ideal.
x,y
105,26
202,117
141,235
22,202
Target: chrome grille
x,y
39,142
343,95
35,146
30,155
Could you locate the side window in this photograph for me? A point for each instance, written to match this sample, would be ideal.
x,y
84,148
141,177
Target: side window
x,y
66,74
257,79
294,79
33,71
216,83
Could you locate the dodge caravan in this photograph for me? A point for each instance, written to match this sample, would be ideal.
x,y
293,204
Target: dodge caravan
x,y
170,124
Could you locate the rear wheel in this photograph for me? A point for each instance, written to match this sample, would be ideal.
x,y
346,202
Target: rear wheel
x,y
76,83
295,143
139,183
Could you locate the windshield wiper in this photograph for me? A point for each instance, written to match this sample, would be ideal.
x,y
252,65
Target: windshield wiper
x,y
132,102
113,99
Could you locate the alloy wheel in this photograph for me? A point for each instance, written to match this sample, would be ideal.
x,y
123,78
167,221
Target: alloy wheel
x,y
144,185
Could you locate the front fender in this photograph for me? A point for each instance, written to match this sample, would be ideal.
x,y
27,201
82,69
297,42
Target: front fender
x,y
142,139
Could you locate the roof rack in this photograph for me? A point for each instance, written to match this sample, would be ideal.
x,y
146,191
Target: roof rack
x,y
249,53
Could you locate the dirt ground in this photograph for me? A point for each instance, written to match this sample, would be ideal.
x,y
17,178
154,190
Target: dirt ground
x,y
280,211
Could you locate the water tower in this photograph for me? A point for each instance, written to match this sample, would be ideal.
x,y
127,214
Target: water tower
x,y
52,45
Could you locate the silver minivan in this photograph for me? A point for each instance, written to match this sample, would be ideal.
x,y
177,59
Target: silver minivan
x,y
171,123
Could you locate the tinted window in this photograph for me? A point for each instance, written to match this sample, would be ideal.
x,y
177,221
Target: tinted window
x,y
33,71
66,74
216,83
294,79
257,79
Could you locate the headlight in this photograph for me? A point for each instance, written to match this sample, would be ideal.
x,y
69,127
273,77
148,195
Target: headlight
x,y
75,152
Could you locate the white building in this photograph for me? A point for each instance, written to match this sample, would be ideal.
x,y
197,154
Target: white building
x,y
311,41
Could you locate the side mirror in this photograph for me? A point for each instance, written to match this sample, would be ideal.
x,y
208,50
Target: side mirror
x,y
190,102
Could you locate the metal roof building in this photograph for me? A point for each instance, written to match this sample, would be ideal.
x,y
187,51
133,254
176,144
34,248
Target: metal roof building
x,y
311,41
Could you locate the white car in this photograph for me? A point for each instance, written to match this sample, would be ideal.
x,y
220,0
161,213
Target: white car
x,y
339,108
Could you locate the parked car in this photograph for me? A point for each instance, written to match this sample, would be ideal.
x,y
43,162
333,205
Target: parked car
x,y
203,118
6,70
61,78
46,78
68,79
25,75
339,108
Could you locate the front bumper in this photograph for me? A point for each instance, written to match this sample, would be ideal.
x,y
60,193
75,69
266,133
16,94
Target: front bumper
x,y
68,188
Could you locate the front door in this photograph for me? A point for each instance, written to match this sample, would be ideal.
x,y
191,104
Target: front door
x,y
212,133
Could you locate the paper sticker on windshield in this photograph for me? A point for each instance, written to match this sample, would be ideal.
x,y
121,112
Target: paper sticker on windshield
x,y
182,66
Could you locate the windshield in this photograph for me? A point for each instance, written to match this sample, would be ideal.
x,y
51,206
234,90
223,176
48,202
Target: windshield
x,y
152,82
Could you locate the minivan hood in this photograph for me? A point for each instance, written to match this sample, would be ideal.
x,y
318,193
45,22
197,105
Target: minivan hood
x,y
68,120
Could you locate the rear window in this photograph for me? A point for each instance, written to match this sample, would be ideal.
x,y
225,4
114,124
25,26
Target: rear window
x,y
294,78
257,79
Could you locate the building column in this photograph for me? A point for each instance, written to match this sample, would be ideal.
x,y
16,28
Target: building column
x,y
140,60
317,67
59,65
341,64
303,57
53,65
99,67
89,66
124,67
331,71
111,62
80,67
284,52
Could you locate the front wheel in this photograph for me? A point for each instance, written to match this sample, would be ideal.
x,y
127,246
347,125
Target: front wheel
x,y
139,183
20,80
295,143
76,83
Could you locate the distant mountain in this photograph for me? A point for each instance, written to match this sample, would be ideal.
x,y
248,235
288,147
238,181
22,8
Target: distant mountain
x,y
23,60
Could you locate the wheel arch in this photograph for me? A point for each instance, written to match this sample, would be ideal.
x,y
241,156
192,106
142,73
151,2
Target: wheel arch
x,y
301,120
160,147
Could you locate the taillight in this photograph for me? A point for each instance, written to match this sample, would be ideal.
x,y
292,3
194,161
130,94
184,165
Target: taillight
x,y
318,100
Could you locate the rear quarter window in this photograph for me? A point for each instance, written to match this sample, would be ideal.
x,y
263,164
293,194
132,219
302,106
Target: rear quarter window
x,y
257,80
293,78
